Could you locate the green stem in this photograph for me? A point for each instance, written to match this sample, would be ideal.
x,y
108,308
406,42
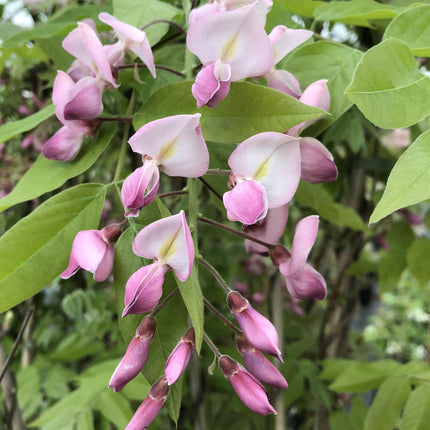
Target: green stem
x,y
193,211
215,274
164,302
189,58
221,317
125,137
211,345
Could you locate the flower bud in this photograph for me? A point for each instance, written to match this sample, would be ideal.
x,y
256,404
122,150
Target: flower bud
x,y
256,363
135,356
248,389
111,233
180,356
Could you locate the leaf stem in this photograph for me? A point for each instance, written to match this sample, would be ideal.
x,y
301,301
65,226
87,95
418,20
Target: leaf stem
x,y
236,232
215,274
210,187
173,193
115,118
165,21
164,302
144,66
221,317
211,345
218,172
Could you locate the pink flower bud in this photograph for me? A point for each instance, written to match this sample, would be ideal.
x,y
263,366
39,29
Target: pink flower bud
x,y
135,356
90,252
248,389
180,356
151,406
256,363
111,233
257,328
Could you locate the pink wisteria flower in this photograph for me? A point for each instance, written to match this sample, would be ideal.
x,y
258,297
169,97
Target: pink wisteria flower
x,y
246,386
131,38
175,146
259,366
256,327
151,406
283,41
266,173
93,250
169,243
135,357
223,41
179,358
303,281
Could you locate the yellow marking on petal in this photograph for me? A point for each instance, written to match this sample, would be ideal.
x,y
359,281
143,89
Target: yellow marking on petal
x,y
262,170
167,151
168,248
228,49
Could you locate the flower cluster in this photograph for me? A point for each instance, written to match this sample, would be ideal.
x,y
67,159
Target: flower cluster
x,y
265,172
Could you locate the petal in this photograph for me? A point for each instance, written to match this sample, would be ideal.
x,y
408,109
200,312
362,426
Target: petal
x,y
140,189
89,248
284,40
283,81
144,289
145,414
272,159
316,161
115,53
270,229
246,202
105,267
176,143
231,37
205,85
72,268
308,283
60,93
85,100
63,145
304,238
169,241
74,45
78,70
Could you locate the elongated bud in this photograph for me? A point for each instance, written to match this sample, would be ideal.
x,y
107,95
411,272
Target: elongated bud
x,y
256,363
180,356
151,406
248,389
256,327
111,233
135,356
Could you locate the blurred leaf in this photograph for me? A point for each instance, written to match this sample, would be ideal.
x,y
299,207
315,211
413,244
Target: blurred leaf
x,y
141,12
416,415
325,60
29,391
47,175
333,367
301,7
56,382
137,389
411,27
74,347
238,116
13,128
7,30
418,258
408,181
296,387
358,412
355,12
388,87
314,196
339,420
85,421
388,404
114,407
37,248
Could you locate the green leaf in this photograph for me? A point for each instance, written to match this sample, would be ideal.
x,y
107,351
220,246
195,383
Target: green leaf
x,y
355,12
249,109
336,63
141,12
388,87
114,407
316,197
14,128
388,404
333,367
339,420
85,421
358,412
47,175
417,411
418,258
301,7
409,180
36,249
411,27
29,390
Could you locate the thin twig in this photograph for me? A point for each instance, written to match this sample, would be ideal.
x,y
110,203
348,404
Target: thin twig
x,y
144,66
221,317
211,345
165,21
218,172
164,302
116,118
173,193
212,189
215,274
16,344
236,232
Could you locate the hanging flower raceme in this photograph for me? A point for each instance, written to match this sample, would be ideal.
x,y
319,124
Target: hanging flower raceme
x,y
283,41
169,243
179,358
256,327
151,406
66,142
259,366
231,45
131,38
246,386
265,174
303,281
93,250
135,357
174,145
86,100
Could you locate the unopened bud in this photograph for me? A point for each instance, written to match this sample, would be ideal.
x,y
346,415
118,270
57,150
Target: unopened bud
x,y
111,233
279,254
